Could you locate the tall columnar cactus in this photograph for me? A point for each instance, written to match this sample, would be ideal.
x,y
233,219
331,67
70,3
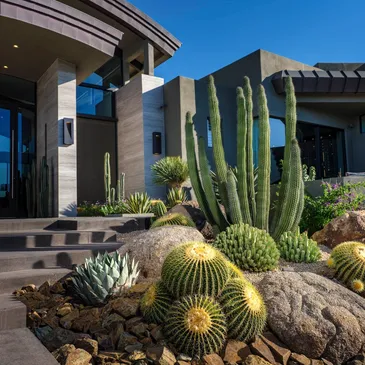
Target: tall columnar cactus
x,y
122,187
233,201
107,178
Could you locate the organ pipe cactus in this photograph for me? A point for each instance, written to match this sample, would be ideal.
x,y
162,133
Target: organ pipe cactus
x,y
107,178
240,201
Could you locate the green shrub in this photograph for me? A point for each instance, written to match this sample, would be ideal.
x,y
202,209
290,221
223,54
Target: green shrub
x,y
173,219
138,203
102,276
244,309
348,260
176,196
248,247
196,326
172,171
296,247
155,303
194,268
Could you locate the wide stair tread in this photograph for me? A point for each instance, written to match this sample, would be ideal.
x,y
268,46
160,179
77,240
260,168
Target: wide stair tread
x,y
12,313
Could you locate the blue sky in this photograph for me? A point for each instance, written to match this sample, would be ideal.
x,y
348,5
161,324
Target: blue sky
x,y
217,32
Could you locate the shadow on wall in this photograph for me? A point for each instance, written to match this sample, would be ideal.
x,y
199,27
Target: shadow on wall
x,y
70,210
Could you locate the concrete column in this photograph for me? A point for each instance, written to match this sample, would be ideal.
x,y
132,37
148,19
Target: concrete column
x,y
56,100
149,59
140,113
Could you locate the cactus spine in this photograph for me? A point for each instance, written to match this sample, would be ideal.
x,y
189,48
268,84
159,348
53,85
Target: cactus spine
x,y
107,178
264,164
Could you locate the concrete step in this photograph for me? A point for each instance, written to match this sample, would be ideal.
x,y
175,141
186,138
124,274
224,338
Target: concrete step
x,y
56,237
21,347
10,281
41,258
13,225
13,314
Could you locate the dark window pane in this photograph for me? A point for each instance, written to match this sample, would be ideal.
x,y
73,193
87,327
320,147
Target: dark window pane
x,y
94,102
362,124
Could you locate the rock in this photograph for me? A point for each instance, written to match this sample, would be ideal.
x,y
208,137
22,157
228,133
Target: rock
x,y
190,211
137,290
66,321
105,341
207,231
317,362
256,360
357,360
34,300
259,347
150,248
126,307
157,333
183,357
112,321
125,340
109,357
213,359
314,316
137,355
62,353
135,347
160,355
57,338
29,288
181,362
45,289
87,344
57,288
87,319
146,341
348,227
236,352
298,359
64,309
140,330
78,357
132,322
281,354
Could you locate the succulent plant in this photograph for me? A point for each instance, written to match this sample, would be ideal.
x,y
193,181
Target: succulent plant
x,y
173,219
248,247
138,203
196,325
295,247
155,303
104,275
158,208
244,309
195,268
176,196
348,260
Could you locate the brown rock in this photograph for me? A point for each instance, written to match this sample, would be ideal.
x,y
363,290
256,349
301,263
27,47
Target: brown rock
x,y
348,227
126,307
157,333
278,349
256,360
45,289
317,362
161,355
87,319
140,330
78,357
50,318
181,362
34,300
126,339
57,288
298,359
33,319
109,357
87,344
137,355
137,291
236,352
146,341
29,288
64,309
213,359
61,354
57,338
259,347
326,362
135,347
132,322
66,321
105,342
113,320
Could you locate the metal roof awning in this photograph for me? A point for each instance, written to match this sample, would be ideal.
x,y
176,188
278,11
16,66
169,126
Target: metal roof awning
x,y
318,81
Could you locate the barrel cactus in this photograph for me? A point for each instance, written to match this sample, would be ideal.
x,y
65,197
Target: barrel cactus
x,y
155,303
195,268
348,260
173,219
244,309
158,208
296,247
104,275
196,325
234,270
248,247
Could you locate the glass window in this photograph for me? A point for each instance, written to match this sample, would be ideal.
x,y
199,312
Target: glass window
x,y
93,101
362,124
209,134
109,75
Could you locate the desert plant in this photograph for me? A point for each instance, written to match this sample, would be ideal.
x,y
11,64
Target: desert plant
x,y
194,268
176,196
234,270
348,260
102,276
173,219
241,203
309,174
107,178
196,325
248,247
155,303
138,203
295,247
244,309
158,208
171,171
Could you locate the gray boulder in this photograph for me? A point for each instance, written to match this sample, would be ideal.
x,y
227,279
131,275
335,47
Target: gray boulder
x,y
314,316
150,248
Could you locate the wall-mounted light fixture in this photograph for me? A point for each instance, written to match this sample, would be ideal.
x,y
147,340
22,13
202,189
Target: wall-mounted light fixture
x,y
156,143
68,131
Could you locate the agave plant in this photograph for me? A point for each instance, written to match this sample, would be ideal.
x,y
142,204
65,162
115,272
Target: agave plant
x,y
138,203
176,196
104,275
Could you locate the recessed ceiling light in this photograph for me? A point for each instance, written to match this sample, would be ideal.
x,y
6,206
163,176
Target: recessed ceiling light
x,y
15,46
6,67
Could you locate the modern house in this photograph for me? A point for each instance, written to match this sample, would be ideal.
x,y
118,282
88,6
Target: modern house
x,y
77,80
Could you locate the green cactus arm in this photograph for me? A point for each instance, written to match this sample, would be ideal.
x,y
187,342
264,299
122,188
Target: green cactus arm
x,y
234,204
107,177
264,164
299,212
208,187
250,165
242,157
290,134
295,193
194,171
122,185
218,150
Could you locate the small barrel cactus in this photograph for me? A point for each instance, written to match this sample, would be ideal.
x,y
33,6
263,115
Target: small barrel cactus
x,y
196,325
244,309
348,260
248,247
158,208
296,247
173,219
234,270
155,303
195,268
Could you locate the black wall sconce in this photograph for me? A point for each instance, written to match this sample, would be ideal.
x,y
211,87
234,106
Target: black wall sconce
x,y
156,143
68,131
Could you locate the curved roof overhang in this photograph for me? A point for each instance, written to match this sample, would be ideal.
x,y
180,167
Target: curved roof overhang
x,y
321,82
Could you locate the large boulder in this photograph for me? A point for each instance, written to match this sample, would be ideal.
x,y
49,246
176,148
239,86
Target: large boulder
x,y
191,210
348,227
150,248
314,316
